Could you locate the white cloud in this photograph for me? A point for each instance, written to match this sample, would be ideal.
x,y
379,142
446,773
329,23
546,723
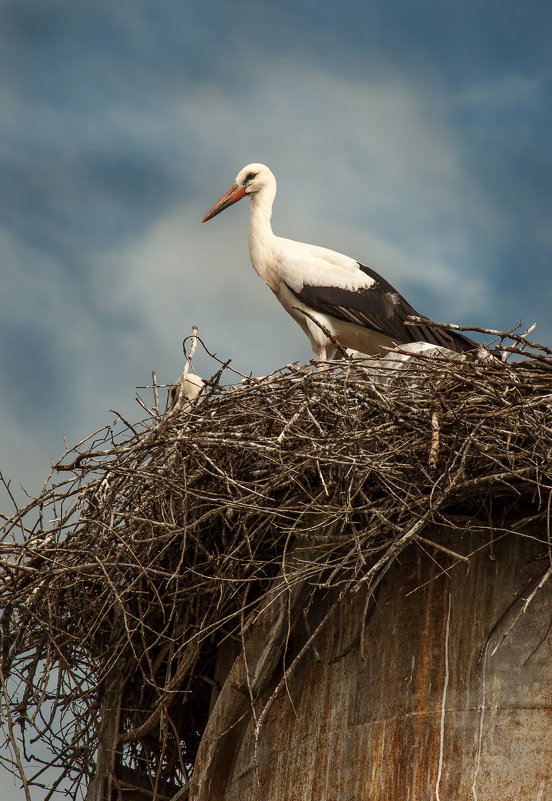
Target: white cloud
x,y
181,273
384,144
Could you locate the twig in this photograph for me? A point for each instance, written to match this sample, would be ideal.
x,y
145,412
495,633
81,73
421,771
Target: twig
x,y
522,338
439,547
155,392
434,450
12,739
523,609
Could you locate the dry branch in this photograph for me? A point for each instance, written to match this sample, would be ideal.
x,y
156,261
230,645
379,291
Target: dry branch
x,y
156,544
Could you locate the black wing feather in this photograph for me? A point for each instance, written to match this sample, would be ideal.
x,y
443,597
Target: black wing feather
x,y
379,307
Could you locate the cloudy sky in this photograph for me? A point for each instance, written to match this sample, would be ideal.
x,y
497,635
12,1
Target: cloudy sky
x,y
414,136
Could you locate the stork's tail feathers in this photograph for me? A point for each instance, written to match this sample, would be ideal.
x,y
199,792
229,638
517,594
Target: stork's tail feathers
x,y
453,340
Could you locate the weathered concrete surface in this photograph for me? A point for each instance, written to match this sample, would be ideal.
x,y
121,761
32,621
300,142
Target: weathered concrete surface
x,y
429,712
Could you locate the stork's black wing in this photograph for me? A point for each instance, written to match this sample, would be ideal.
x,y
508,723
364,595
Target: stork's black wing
x,y
379,307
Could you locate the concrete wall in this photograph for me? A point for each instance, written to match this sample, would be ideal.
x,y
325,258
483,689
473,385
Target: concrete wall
x,y
427,711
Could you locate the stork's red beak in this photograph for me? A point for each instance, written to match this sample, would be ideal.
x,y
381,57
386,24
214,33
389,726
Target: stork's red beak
x,y
234,194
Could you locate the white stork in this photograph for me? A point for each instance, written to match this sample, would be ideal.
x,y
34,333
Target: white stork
x,y
357,306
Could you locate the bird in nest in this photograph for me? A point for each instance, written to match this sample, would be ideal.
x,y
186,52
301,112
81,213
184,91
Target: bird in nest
x,y
337,301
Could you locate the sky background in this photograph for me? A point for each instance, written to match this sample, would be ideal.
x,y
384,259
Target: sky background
x,y
414,136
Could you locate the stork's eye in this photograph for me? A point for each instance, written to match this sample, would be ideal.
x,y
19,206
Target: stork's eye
x,y
250,176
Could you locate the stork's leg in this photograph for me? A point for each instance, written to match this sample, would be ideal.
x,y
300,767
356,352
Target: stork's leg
x,y
322,356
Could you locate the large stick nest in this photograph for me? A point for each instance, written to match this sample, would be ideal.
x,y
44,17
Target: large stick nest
x,y
164,537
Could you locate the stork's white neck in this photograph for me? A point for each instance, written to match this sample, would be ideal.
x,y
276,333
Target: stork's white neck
x,y
261,238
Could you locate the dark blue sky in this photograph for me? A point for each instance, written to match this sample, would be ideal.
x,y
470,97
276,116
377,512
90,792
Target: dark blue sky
x,y
413,136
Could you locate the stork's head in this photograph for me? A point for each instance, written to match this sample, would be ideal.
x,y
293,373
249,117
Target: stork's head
x,y
251,180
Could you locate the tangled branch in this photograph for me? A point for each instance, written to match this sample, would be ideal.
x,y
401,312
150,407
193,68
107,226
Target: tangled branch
x,y
155,542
